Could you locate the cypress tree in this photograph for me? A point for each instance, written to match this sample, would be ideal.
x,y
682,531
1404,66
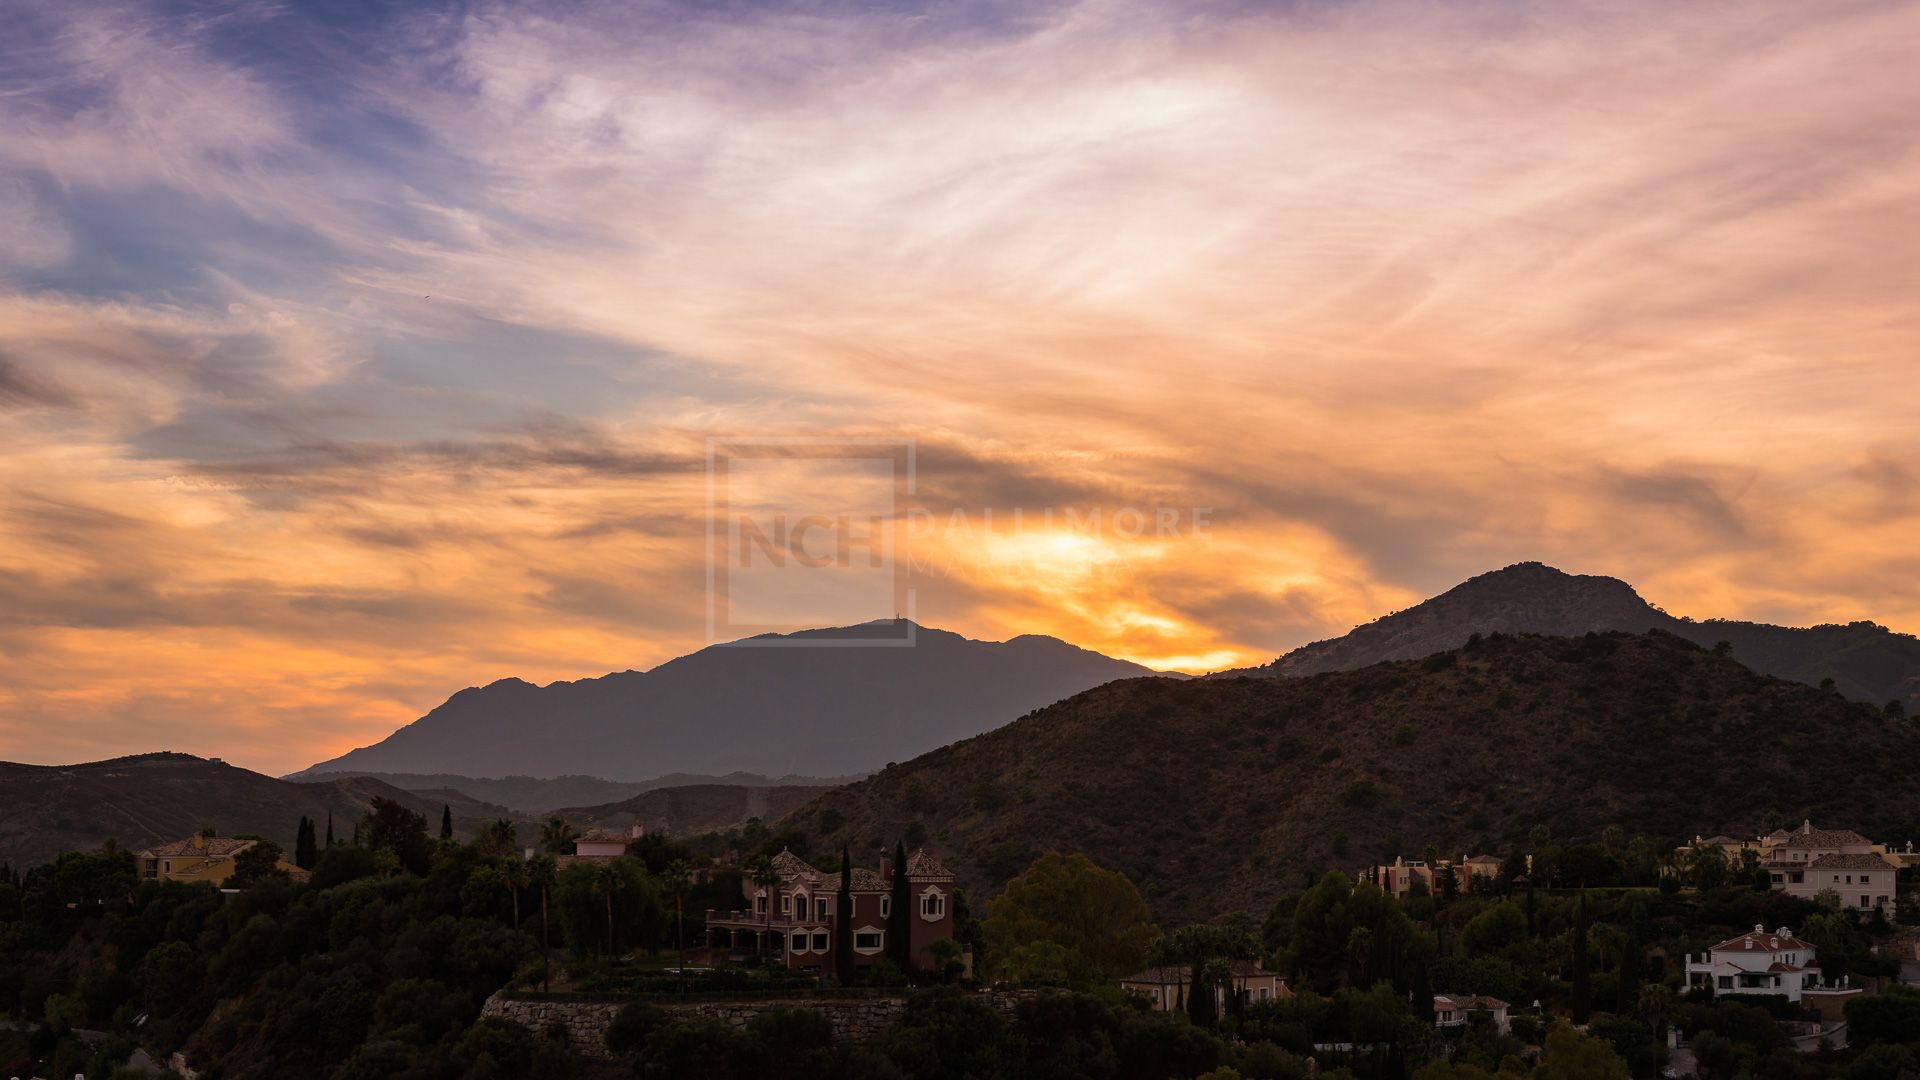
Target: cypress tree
x,y
1200,1005
1631,960
1422,992
843,922
1581,990
329,828
304,855
900,920
446,822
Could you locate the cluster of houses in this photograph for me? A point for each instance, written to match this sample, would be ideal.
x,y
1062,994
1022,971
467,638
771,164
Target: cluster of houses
x,y
1806,861
794,920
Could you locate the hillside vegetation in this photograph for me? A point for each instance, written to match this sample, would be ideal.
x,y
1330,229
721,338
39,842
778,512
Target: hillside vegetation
x,y
152,798
1218,794
695,808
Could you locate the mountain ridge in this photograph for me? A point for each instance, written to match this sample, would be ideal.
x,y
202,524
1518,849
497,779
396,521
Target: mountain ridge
x,y
1867,662
738,707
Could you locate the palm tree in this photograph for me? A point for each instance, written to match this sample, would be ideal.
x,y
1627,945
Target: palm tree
x,y
763,875
679,879
606,880
499,837
514,875
540,872
556,836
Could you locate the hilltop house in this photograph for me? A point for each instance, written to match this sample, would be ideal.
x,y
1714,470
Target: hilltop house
x,y
1805,861
1452,1010
794,922
200,858
1763,962
1165,988
597,844
1397,878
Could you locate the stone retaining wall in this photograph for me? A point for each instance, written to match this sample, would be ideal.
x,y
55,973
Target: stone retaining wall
x,y
855,1019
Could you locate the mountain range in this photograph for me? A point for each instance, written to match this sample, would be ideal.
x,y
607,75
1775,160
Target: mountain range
x,y
1216,794
1867,662
151,798
541,795
761,706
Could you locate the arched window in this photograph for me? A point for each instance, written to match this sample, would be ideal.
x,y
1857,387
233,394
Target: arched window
x,y
933,904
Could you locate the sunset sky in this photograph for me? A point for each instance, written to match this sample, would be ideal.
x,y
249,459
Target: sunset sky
x,y
352,354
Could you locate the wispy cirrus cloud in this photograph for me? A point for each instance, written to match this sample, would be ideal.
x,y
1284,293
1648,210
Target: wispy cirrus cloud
x,y
351,356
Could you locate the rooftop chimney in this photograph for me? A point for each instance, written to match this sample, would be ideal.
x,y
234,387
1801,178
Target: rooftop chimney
x,y
886,865
639,831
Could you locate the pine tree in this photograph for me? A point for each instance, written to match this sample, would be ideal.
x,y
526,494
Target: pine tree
x,y
843,922
446,822
900,920
1581,990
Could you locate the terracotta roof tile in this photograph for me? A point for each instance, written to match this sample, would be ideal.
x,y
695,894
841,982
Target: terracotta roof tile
x,y
212,847
921,864
1849,862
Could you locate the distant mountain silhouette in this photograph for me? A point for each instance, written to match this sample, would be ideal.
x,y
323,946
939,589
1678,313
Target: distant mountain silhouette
x,y
1867,662
152,798
819,710
540,795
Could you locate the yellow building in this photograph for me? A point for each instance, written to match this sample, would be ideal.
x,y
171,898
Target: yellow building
x,y
201,858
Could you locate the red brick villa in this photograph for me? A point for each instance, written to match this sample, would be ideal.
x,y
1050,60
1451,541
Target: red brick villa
x,y
797,924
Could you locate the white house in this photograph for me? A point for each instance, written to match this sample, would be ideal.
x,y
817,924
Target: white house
x,y
1451,1010
1763,962
1863,882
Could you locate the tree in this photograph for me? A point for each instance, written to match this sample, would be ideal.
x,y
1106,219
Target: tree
x,y
843,921
1582,989
606,881
329,828
392,827
446,822
1573,1056
900,916
541,874
1632,957
762,874
514,875
556,836
1208,952
305,850
498,838
1096,915
256,864
945,954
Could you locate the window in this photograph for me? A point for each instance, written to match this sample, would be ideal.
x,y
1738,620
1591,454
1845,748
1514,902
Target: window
x,y
786,904
1866,901
760,904
799,943
820,942
868,940
1866,879
1264,991
886,906
820,907
1726,982
933,905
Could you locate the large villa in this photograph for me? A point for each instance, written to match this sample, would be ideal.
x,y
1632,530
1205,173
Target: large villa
x,y
794,921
